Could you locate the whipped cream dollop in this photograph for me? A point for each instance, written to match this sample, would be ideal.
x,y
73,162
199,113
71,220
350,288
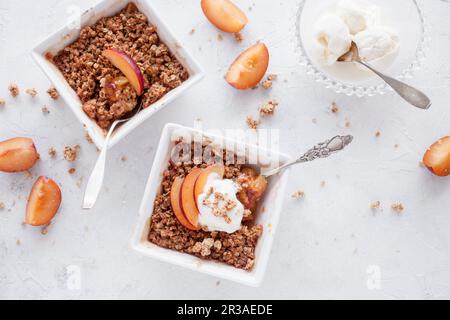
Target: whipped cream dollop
x,y
357,21
219,208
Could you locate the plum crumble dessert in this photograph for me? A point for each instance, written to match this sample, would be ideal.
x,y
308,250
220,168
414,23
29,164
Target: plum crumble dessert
x,y
208,208
117,63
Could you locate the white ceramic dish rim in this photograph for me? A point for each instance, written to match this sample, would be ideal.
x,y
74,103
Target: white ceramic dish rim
x,y
358,90
66,35
139,240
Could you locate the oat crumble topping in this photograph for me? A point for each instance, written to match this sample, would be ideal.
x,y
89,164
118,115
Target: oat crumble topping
x,y
53,93
238,37
45,110
236,249
377,134
99,84
71,170
398,207
88,138
375,205
219,37
267,84
2,205
70,153
52,152
2,102
32,92
268,108
298,195
14,90
252,123
334,107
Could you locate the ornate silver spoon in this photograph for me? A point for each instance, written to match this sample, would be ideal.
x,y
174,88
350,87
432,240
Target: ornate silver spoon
x,y
412,95
319,151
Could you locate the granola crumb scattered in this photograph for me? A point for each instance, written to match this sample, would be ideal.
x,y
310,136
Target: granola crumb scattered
x,y
44,231
53,93
347,124
18,242
2,102
192,31
124,158
377,134
238,37
45,110
52,152
267,84
70,153
88,138
322,184
219,37
72,170
269,108
32,92
252,123
79,182
398,207
2,205
334,107
298,195
375,205
14,90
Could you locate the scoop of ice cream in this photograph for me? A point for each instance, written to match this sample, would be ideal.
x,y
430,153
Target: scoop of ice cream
x,y
219,208
376,42
358,15
333,35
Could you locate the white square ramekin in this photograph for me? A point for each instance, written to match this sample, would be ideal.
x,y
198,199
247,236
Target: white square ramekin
x,y
59,40
268,217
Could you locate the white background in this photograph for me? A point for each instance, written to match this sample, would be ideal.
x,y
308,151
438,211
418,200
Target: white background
x,y
329,245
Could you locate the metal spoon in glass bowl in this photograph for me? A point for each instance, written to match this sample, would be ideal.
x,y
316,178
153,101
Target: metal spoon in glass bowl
x,y
95,182
412,95
319,151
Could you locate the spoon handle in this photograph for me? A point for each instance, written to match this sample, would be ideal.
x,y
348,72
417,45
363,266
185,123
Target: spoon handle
x,y
319,151
95,182
415,97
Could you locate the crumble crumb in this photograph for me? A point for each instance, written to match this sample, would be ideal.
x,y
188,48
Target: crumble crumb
x,y
124,158
252,123
14,90
377,134
267,84
268,108
79,182
219,37
298,195
322,184
396,146
18,242
45,110
238,37
44,231
347,124
52,152
334,107
398,207
375,205
70,153
2,102
192,31
88,138
32,92
71,170
2,205
53,93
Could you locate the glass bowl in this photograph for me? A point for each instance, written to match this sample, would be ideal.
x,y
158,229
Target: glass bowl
x,y
404,16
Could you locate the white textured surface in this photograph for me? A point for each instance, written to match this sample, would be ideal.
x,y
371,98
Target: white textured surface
x,y
325,244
